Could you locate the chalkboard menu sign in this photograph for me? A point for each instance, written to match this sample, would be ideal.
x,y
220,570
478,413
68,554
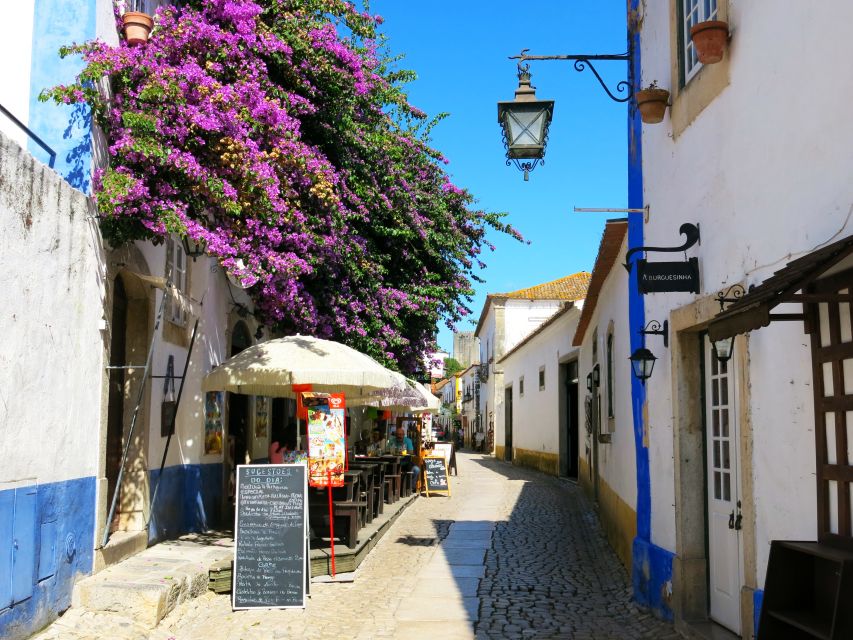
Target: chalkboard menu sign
x,y
435,474
270,547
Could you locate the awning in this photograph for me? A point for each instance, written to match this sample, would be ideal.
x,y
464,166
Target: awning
x,y
753,310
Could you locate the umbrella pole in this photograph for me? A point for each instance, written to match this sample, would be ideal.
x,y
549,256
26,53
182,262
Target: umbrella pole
x,y
331,521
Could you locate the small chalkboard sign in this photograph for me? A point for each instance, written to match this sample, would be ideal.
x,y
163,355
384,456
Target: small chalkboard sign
x,y
270,542
435,474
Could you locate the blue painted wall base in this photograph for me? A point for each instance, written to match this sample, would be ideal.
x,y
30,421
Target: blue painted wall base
x,y
652,577
757,601
47,535
189,499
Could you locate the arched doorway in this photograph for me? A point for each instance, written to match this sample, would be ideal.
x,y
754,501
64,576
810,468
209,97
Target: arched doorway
x,y
237,437
129,341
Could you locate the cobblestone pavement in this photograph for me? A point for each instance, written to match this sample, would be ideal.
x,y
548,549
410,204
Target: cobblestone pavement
x,y
511,554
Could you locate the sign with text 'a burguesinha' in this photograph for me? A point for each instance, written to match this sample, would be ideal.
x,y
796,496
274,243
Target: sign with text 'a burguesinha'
x,y
659,277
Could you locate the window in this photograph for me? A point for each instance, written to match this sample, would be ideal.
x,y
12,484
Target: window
x,y
176,271
693,12
610,374
521,386
542,378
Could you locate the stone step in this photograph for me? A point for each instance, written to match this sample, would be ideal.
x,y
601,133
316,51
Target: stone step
x,y
149,585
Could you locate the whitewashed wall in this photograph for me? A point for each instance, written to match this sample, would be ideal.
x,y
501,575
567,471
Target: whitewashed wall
x,y
523,317
51,359
765,169
536,414
617,462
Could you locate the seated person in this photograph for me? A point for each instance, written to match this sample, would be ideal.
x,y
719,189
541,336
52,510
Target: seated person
x,y
361,447
400,443
377,446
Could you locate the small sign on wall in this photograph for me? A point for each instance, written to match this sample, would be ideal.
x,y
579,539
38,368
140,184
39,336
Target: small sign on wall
x,y
658,277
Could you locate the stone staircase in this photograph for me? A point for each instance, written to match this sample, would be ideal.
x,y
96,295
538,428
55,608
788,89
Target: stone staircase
x,y
138,592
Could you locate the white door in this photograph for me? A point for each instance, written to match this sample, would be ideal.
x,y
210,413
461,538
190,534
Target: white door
x,y
724,522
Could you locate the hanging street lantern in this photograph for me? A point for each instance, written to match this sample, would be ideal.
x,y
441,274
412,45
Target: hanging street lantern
x,y
643,362
723,348
524,122
194,248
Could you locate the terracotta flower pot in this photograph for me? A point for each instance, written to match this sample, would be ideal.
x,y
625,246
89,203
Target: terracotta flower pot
x,y
137,27
710,39
652,104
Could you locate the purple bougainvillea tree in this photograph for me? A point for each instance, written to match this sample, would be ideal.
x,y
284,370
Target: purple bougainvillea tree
x,y
273,130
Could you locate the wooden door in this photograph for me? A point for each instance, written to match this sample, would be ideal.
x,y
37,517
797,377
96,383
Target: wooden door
x,y
832,370
723,503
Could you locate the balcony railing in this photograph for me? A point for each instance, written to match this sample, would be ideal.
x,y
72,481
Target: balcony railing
x,y
31,134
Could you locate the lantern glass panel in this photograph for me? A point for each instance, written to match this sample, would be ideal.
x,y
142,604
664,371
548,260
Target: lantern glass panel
x,y
723,348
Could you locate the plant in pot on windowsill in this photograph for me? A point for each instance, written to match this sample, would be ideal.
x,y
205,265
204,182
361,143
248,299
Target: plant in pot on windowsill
x,y
136,24
652,102
710,39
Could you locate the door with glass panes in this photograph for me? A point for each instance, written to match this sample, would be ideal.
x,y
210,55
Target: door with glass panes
x,y
724,512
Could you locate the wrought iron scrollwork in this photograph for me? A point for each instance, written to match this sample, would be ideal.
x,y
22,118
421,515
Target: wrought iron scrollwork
x,y
730,295
623,87
623,92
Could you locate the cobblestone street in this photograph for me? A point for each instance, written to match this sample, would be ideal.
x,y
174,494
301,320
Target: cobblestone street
x,y
512,554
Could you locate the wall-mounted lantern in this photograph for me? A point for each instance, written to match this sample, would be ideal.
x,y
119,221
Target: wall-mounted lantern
x,y
589,382
643,363
194,248
723,348
524,122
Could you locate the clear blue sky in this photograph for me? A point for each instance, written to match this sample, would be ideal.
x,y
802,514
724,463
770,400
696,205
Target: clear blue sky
x,y
459,51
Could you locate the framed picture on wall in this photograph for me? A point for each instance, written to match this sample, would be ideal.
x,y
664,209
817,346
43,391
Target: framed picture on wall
x,y
262,412
213,403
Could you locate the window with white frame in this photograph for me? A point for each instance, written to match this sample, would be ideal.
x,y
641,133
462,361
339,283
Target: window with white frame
x,y
176,272
542,378
693,12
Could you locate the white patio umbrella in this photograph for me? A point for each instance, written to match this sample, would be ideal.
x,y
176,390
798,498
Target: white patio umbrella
x,y
272,368
432,404
408,395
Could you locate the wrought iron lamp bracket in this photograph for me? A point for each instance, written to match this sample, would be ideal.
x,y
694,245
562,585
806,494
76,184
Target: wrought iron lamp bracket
x,y
623,88
655,328
730,295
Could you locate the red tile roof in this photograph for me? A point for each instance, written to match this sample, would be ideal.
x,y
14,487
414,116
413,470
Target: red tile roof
x,y
608,251
570,288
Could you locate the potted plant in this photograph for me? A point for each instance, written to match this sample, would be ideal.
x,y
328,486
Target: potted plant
x,y
652,102
137,26
710,39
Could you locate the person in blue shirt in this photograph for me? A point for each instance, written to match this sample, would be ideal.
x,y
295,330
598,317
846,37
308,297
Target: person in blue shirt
x,y
401,442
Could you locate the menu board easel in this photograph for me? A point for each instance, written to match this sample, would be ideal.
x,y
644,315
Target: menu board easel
x,y
271,568
435,475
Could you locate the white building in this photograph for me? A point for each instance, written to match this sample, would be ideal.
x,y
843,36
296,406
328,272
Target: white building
x,y
607,468
540,426
506,319
731,456
469,383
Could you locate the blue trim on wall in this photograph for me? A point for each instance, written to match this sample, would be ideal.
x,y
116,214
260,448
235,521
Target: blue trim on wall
x,y
189,499
66,128
652,565
757,602
63,535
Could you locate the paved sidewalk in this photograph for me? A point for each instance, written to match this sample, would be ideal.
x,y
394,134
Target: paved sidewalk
x,y
510,554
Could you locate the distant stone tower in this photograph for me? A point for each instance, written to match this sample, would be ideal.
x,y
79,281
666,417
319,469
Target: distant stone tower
x,y
466,348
